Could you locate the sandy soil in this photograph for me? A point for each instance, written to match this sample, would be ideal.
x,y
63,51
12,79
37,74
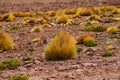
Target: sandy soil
x,y
31,5
84,67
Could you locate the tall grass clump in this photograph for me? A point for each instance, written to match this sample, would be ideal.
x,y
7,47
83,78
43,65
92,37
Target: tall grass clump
x,y
61,47
6,42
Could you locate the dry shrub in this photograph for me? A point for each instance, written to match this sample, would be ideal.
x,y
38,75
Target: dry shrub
x,y
5,41
61,47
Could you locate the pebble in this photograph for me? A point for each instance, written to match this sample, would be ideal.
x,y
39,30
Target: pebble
x,y
101,20
22,68
118,62
73,67
89,64
28,63
36,62
62,68
89,53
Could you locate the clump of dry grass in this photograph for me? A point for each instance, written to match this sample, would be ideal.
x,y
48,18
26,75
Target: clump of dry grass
x,y
62,19
7,17
84,12
6,42
61,47
112,30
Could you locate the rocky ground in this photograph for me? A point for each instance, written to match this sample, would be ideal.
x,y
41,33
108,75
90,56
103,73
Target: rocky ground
x,y
84,67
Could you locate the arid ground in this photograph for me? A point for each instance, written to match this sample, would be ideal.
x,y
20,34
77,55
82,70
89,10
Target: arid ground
x,y
83,67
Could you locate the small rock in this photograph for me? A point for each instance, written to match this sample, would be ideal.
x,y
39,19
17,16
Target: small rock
x,y
38,69
79,62
46,63
118,62
18,55
95,49
54,76
97,33
89,53
22,68
16,38
88,50
89,64
28,63
72,77
36,62
79,71
62,68
53,24
101,20
74,66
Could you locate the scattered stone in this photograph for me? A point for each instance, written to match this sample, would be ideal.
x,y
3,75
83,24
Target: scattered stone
x,y
101,20
62,68
28,63
22,68
53,76
89,64
36,62
72,77
53,24
118,62
38,69
18,55
97,33
79,71
89,53
46,63
73,67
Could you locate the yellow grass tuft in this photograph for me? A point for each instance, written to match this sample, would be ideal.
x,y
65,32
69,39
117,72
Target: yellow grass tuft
x,y
112,30
24,14
8,17
61,47
40,13
36,40
111,47
81,38
46,25
116,11
42,21
51,13
62,19
89,41
6,42
96,10
36,29
107,8
70,11
30,21
93,17
84,12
